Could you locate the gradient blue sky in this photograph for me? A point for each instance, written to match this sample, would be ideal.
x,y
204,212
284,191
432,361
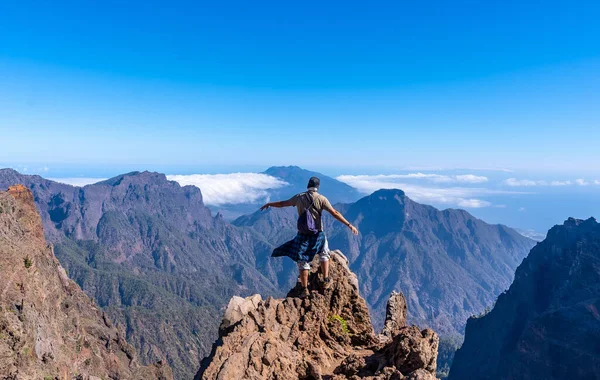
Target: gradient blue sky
x,y
241,85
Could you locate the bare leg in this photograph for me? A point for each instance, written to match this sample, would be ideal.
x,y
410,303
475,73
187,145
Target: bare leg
x,y
304,277
325,268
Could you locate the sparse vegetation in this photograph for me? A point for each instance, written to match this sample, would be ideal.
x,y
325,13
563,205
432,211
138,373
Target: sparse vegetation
x,y
27,262
342,322
446,350
483,313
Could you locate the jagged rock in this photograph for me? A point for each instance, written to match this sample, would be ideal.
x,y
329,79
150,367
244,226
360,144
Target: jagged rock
x,y
412,349
395,315
48,327
238,308
328,335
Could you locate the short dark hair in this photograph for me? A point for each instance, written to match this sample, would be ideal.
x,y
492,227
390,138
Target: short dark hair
x,y
314,182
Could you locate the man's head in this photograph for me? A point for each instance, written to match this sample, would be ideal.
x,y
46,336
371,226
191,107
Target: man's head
x,y
314,182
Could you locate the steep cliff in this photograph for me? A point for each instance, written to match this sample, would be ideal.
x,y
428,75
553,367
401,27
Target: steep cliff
x,y
49,329
328,335
547,325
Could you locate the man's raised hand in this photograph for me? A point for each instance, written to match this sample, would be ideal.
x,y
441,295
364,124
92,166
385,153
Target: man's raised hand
x,y
265,207
353,229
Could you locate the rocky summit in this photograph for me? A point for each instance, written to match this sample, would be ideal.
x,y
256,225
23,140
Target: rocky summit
x,y
49,329
328,335
547,325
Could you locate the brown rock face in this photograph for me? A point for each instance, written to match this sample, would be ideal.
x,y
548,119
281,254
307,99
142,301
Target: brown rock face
x,y
48,327
395,315
328,335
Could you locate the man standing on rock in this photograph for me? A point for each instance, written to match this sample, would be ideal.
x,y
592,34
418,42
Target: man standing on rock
x,y
311,239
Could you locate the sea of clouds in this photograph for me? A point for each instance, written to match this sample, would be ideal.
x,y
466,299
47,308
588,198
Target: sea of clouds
x,y
454,190
234,188
428,188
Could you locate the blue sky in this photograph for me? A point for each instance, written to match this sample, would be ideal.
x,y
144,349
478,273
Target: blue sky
x,y
379,85
94,89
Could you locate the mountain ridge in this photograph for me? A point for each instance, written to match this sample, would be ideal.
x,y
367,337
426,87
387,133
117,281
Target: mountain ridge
x,y
149,251
152,255
546,325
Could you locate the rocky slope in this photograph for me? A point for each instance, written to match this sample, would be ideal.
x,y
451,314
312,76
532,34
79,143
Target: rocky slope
x,y
547,325
152,256
48,327
328,335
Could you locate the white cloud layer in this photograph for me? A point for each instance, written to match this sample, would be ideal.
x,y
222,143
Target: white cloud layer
x,y
456,196
513,182
431,177
219,189
77,181
523,182
473,203
560,183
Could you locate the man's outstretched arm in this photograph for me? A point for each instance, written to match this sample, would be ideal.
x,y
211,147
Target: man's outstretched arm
x,y
279,204
336,214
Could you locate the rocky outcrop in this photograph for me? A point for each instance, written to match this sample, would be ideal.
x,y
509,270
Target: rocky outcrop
x,y
395,315
49,329
327,334
547,325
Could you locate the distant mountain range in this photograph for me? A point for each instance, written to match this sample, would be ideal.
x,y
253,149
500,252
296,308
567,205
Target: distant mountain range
x,y
297,179
154,258
547,325
150,253
533,235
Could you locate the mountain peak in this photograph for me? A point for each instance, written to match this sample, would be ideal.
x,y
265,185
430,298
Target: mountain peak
x,y
297,178
8,171
137,177
573,222
388,193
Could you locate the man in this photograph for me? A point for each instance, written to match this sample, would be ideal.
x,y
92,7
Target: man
x,y
305,246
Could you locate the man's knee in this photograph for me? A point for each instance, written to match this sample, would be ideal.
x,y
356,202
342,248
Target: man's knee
x,y
303,265
325,255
